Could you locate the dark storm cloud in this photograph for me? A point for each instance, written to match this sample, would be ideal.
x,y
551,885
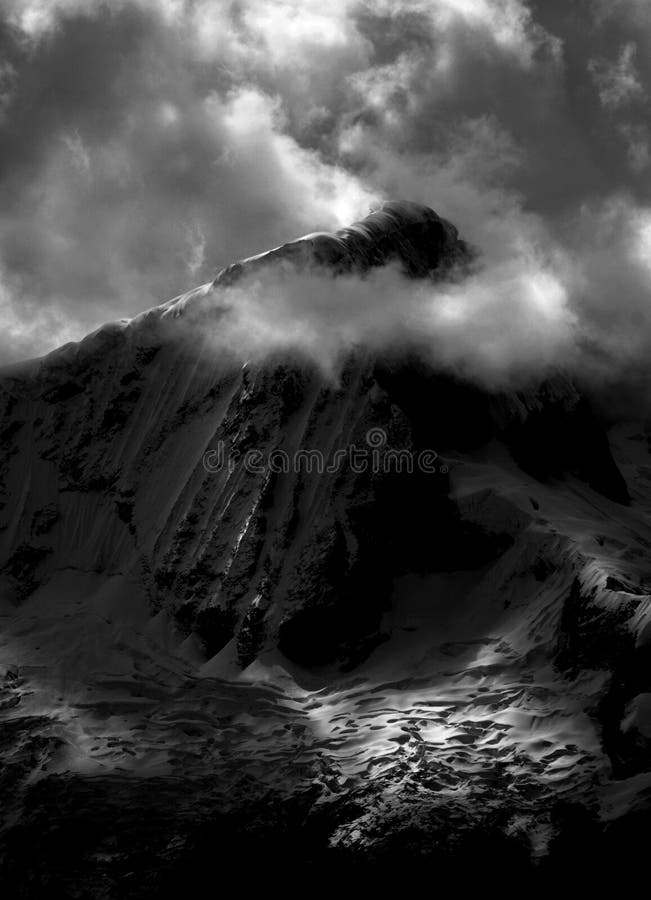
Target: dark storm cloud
x,y
147,142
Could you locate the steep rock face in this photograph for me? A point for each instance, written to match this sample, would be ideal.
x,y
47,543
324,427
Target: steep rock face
x,y
127,453
204,584
130,456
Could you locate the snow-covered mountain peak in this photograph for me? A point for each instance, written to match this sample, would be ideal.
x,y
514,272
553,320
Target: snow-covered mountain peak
x,y
203,584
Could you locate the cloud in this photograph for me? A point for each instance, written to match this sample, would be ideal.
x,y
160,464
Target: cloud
x,y
530,307
139,170
617,82
638,141
494,326
146,143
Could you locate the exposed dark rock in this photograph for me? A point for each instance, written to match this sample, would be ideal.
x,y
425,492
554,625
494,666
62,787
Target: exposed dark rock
x,y
251,635
22,568
45,519
561,438
215,627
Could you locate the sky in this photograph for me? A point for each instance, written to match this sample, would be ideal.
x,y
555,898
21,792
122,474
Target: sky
x,y
144,144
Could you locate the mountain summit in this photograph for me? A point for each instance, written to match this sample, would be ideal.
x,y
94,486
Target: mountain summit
x,y
408,233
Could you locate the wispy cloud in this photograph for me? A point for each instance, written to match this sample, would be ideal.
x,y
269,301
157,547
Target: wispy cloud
x,y
618,82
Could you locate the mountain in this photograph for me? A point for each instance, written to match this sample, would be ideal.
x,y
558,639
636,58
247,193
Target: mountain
x,y
223,628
